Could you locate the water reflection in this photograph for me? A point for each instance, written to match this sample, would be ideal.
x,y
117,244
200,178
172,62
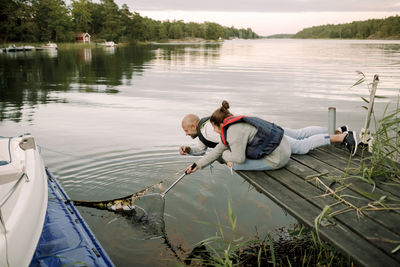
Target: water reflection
x,y
26,79
85,55
180,52
110,50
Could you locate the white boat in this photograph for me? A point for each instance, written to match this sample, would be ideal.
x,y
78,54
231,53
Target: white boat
x,y
23,199
28,47
50,45
13,48
109,44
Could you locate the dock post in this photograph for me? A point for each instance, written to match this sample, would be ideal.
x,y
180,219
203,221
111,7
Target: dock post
x,y
331,120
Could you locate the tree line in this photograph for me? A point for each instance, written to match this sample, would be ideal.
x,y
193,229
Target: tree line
x,y
53,20
388,28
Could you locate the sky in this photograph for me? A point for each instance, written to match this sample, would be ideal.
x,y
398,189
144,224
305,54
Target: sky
x,y
265,17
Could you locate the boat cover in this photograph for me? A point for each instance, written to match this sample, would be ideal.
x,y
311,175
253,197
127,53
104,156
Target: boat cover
x,y
66,239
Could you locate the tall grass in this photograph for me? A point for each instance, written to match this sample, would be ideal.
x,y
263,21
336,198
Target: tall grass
x,y
283,247
383,161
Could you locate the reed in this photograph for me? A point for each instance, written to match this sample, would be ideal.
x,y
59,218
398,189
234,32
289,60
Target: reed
x,y
296,246
383,161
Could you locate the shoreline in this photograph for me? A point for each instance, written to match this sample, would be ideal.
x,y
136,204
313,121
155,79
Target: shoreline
x,y
72,45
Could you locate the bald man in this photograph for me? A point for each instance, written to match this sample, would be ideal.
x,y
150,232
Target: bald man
x,y
201,128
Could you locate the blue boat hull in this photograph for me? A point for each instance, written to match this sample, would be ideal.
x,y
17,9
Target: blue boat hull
x,y
66,239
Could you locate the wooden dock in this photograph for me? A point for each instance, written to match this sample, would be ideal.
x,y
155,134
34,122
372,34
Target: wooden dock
x,y
367,224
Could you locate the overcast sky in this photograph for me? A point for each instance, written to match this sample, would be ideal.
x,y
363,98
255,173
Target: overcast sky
x,y
265,16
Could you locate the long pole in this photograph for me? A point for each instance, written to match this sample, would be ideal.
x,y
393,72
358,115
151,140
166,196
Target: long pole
x,y
172,185
331,120
370,109
177,181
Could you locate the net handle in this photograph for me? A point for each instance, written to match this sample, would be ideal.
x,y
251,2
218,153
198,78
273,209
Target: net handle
x,y
177,180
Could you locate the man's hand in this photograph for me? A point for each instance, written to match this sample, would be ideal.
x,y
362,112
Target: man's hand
x,y
183,150
230,164
192,168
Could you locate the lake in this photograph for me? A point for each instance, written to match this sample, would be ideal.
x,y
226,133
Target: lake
x,y
108,121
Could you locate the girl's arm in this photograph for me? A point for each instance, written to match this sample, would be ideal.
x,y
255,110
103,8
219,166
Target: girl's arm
x,y
212,156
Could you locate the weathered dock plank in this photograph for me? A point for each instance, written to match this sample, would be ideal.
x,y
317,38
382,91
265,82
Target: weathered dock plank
x,y
380,182
355,227
382,217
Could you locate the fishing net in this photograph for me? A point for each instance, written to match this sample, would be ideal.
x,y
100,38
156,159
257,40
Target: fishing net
x,y
145,209
148,215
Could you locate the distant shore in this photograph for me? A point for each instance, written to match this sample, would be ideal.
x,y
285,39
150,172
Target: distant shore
x,y
189,40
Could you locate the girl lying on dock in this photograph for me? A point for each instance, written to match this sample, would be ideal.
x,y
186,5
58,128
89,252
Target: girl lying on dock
x,y
250,143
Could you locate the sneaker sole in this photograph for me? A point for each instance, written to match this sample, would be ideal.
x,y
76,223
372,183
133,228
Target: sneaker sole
x,y
355,140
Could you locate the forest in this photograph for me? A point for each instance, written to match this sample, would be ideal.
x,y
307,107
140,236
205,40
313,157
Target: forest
x,y
388,28
52,20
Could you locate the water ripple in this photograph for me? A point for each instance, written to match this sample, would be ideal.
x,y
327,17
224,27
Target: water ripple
x,y
116,173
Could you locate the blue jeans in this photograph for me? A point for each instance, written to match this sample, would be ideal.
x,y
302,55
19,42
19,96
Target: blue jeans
x,y
305,139
301,141
252,165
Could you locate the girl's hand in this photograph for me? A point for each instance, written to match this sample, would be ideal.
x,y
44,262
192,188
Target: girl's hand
x,y
230,164
192,168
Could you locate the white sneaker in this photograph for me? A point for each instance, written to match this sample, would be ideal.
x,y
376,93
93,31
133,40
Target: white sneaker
x,y
343,129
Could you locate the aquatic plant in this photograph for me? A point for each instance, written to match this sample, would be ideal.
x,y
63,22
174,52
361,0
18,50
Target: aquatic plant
x,y
296,246
383,158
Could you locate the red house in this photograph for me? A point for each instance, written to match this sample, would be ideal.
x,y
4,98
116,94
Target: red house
x,y
82,37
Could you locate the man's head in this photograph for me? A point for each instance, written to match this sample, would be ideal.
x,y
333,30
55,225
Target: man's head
x,y
189,125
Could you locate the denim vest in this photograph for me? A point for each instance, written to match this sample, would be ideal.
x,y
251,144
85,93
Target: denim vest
x,y
267,138
208,143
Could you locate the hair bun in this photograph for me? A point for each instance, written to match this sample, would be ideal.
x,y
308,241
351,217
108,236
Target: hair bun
x,y
225,104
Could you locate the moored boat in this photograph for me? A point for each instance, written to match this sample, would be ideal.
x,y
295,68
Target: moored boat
x,y
28,47
109,44
39,225
23,194
50,45
13,48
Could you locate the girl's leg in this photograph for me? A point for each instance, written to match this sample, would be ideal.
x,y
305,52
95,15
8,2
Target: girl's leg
x,y
252,165
305,132
303,146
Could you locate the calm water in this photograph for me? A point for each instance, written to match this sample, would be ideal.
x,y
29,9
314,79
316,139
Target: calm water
x,y
108,122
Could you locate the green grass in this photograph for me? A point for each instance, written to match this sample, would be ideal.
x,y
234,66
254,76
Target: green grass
x,y
283,247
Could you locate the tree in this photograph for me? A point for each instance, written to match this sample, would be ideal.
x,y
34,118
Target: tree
x,y
53,20
126,21
138,27
8,20
213,31
176,30
81,14
112,27
162,32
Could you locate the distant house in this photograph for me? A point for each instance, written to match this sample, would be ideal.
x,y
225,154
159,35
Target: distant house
x,y
82,37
